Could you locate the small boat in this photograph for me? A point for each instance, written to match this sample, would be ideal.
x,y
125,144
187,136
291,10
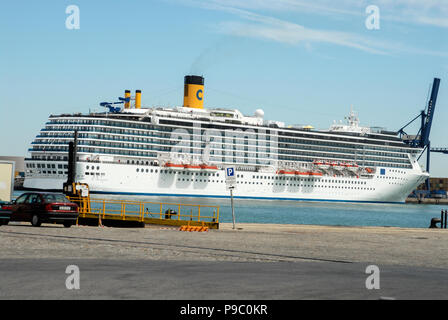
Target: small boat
x,y
192,167
208,167
174,166
310,173
369,170
285,172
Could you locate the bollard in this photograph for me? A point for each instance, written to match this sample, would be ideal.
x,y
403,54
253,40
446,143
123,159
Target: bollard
x,y
441,219
434,222
444,225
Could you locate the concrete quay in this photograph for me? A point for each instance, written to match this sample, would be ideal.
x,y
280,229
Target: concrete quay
x,y
255,261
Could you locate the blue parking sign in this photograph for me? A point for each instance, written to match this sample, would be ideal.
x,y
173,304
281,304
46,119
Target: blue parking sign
x,y
230,172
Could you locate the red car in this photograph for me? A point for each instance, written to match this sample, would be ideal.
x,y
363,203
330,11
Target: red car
x,y
37,208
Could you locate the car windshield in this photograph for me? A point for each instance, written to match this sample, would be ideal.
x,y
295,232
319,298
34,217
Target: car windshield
x,y
55,198
22,198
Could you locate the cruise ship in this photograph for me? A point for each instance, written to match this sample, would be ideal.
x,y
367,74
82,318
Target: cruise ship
x,y
184,151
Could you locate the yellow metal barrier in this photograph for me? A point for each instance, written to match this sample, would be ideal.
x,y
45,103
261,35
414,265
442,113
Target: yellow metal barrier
x,y
159,213
193,228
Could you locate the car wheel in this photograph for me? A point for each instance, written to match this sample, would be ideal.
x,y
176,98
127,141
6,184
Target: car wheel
x,y
68,224
35,221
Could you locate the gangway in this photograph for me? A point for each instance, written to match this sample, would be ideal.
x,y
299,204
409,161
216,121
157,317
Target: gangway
x,y
140,213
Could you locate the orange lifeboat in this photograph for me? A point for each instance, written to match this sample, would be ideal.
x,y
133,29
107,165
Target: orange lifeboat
x,y
175,166
285,172
192,167
208,167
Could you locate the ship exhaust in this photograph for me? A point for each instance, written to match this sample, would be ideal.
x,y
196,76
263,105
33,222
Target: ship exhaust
x,y
127,95
194,92
138,99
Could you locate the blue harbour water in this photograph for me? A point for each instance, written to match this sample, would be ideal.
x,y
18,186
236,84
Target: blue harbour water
x,y
309,213
323,213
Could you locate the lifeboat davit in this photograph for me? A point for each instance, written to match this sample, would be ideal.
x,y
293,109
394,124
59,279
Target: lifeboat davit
x,y
322,164
337,166
352,167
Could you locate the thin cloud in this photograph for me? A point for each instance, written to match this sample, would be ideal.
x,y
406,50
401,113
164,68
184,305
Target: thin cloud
x,y
270,28
261,26
294,34
420,12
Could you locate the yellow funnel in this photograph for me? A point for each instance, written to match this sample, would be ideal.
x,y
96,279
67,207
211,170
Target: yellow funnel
x,y
194,92
127,94
138,99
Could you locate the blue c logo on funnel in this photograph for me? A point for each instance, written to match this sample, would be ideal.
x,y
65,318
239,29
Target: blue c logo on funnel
x,y
197,94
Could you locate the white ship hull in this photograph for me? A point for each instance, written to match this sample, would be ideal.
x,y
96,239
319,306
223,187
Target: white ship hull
x,y
392,187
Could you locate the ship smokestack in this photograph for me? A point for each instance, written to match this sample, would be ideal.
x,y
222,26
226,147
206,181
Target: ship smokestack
x,y
138,99
127,94
194,92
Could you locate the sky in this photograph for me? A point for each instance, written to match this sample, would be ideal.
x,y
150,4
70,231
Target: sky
x,y
302,62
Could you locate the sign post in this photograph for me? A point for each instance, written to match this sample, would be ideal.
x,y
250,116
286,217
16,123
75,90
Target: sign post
x,y
233,210
231,184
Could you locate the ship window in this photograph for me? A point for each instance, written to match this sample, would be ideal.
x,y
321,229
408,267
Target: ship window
x,y
137,169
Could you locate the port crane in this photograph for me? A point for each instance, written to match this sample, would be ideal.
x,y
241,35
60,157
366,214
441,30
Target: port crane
x,y
421,139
